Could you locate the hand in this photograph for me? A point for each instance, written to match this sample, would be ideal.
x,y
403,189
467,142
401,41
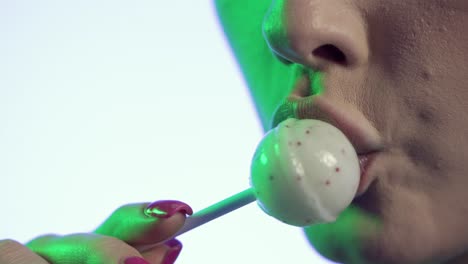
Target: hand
x,y
115,241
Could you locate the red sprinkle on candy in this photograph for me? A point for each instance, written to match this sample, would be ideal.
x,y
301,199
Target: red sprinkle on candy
x,y
337,169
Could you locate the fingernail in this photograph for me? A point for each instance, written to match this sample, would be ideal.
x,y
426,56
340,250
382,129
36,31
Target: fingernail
x,y
135,260
167,208
174,250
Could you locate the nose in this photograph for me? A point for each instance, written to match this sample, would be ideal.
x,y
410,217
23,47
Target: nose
x,y
317,33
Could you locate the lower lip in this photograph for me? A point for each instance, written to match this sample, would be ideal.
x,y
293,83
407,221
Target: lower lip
x,y
364,163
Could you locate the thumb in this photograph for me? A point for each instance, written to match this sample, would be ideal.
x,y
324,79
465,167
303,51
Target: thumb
x,y
139,224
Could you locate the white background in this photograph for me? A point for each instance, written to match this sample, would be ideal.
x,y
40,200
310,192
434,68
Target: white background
x,y
104,103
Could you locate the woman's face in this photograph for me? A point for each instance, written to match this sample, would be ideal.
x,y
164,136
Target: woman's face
x,y
399,70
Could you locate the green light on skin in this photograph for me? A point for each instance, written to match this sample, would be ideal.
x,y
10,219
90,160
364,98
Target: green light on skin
x,y
316,83
344,235
243,25
276,147
131,223
263,159
127,223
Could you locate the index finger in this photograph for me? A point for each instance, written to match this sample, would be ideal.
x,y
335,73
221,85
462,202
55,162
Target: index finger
x,y
139,224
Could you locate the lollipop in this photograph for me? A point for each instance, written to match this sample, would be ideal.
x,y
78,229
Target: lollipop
x,y
303,172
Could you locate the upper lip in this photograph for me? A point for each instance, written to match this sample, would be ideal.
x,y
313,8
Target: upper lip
x,y
362,135
347,118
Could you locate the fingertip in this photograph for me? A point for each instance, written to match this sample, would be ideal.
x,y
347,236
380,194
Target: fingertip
x,y
167,208
165,253
164,229
175,247
173,243
143,224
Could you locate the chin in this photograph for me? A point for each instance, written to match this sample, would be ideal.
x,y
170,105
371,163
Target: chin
x,y
358,237
401,218
346,240
368,232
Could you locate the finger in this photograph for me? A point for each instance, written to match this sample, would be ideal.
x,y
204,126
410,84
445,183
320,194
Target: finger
x,y
165,253
12,252
139,224
84,248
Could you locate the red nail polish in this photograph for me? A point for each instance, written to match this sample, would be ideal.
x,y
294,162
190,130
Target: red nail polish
x,y
167,208
135,260
174,251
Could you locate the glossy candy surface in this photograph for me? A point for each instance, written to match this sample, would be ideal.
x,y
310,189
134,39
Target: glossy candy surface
x,y
305,172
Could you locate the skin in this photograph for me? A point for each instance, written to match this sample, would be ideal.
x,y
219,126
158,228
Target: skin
x,y
119,237
402,65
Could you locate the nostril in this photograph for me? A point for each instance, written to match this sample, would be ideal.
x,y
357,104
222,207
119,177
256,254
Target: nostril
x,y
330,53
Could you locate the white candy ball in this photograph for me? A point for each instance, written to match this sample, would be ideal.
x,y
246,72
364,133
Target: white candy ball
x,y
305,172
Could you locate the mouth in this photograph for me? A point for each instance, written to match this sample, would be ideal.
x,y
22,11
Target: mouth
x,y
357,128
365,139
365,162
363,136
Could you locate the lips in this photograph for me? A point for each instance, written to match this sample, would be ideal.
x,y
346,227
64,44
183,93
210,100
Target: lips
x,y
365,139
362,135
365,162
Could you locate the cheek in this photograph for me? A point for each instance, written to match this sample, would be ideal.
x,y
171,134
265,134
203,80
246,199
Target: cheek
x,y
433,154
421,134
432,133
